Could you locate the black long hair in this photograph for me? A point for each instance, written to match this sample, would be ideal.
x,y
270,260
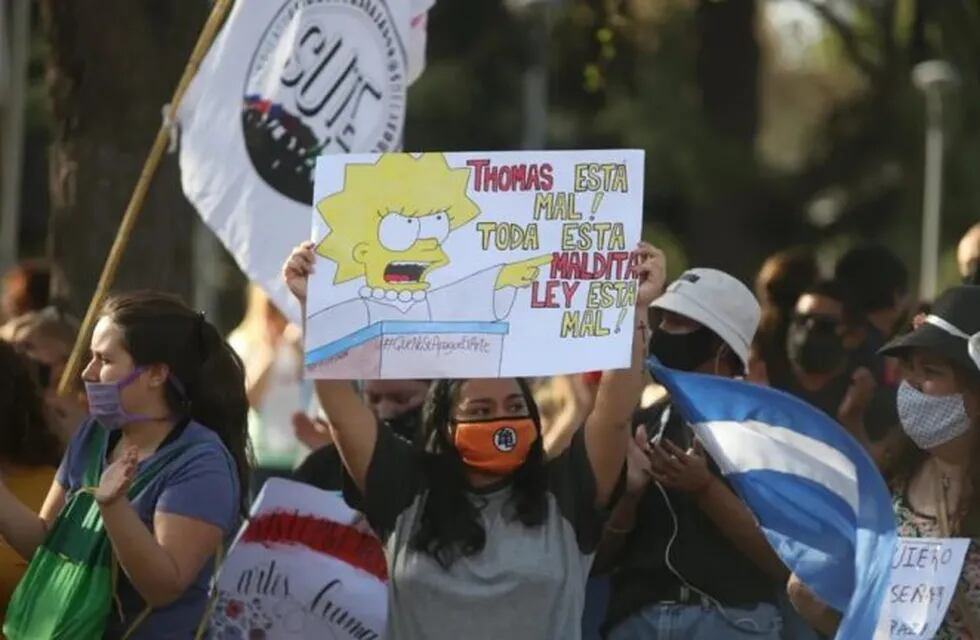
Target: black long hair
x,y
450,524
25,437
159,328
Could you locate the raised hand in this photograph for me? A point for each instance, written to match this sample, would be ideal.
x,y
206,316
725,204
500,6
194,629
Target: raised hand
x,y
312,432
651,274
297,269
117,477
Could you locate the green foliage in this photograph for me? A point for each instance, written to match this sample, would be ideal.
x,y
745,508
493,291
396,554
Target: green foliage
x,y
632,74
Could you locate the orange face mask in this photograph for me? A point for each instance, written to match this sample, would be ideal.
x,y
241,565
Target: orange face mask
x,y
496,446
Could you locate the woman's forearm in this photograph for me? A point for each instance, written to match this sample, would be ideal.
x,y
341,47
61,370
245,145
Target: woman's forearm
x,y
151,569
23,529
607,430
620,389
737,523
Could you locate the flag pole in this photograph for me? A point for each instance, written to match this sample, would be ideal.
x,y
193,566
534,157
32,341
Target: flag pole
x,y
218,13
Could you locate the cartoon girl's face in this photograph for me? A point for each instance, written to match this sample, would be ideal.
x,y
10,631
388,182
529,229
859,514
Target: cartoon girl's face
x,y
406,250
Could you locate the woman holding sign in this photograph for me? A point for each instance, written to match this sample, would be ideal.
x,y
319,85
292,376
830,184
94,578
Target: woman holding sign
x,y
485,538
149,489
936,481
939,407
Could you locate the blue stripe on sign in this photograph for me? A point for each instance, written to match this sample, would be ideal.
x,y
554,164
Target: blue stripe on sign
x,y
400,327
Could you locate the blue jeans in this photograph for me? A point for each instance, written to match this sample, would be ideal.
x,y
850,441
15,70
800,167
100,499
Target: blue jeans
x,y
697,622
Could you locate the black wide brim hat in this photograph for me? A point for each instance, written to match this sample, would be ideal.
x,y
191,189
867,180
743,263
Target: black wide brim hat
x,y
959,308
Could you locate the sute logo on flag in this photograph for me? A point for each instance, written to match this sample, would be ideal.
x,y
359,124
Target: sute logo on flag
x,y
326,77
287,81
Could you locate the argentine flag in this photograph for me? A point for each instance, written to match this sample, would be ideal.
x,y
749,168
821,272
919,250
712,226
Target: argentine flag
x,y
816,493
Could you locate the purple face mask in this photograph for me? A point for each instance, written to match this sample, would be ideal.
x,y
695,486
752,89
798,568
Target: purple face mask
x,y
105,402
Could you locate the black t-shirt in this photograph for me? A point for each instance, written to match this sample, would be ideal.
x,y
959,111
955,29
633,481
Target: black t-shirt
x,y
701,553
322,469
827,398
528,582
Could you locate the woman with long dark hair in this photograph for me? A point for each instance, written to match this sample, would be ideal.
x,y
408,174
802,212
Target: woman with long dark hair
x,y
149,490
485,538
29,451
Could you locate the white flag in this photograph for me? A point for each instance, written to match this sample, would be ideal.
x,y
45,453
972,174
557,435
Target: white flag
x,y
284,82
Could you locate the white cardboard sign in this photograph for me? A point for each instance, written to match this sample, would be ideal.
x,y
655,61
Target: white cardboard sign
x,y
455,265
304,566
924,576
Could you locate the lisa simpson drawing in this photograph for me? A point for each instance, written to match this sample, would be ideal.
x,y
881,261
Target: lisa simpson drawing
x,y
387,229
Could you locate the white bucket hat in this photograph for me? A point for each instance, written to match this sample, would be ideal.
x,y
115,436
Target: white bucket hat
x,y
719,302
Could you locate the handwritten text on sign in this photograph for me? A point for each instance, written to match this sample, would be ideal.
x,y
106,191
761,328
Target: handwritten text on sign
x,y
303,566
924,576
463,265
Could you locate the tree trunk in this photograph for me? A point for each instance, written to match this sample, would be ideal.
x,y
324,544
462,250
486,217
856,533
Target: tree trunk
x,y
720,231
728,67
112,67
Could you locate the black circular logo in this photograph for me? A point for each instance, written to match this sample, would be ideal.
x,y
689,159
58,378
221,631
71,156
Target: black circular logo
x,y
505,439
328,76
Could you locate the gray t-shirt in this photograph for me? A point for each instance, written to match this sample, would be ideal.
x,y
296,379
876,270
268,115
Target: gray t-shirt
x,y
200,483
528,583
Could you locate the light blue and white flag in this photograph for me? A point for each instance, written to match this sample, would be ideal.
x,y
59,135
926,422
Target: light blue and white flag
x,y
816,493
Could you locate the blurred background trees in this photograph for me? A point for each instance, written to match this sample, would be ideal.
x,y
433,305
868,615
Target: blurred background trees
x,y
766,123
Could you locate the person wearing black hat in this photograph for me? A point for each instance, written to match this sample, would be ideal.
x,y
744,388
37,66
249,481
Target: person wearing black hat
x,y
938,407
935,483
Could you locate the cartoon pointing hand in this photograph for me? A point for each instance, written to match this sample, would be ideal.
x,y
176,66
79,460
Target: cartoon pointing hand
x,y
521,274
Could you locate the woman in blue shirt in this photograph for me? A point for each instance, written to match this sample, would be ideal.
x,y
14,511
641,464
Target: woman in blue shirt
x,y
168,406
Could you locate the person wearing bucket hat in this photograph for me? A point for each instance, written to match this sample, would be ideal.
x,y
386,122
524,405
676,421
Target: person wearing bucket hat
x,y
939,406
685,555
725,317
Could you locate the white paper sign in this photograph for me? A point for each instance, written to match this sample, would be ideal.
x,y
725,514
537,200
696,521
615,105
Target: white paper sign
x,y
304,566
452,265
924,576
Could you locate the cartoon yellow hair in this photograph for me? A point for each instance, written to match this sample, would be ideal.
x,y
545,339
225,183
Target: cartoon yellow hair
x,y
411,185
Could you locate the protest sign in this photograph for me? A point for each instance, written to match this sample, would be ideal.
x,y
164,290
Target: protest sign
x,y
473,264
304,566
924,576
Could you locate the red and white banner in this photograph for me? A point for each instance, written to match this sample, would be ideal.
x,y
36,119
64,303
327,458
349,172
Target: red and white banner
x,y
284,82
305,566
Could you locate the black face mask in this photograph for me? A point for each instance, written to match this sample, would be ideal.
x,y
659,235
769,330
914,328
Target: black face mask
x,y
406,424
815,349
683,351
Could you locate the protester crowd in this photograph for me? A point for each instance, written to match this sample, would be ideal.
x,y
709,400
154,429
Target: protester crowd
x,y
606,518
